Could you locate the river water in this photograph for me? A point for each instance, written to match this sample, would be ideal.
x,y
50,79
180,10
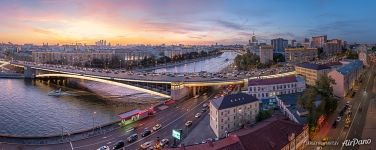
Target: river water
x,y
27,110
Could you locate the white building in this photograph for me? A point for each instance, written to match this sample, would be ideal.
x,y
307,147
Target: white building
x,y
271,87
231,112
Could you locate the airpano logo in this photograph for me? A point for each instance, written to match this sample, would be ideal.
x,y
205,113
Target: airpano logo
x,y
355,142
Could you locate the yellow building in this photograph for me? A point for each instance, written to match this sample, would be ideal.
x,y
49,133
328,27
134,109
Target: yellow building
x,y
311,72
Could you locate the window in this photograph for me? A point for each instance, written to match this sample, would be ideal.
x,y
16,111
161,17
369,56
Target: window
x,y
222,113
222,127
221,120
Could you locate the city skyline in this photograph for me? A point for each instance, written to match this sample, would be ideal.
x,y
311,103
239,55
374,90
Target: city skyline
x,y
182,22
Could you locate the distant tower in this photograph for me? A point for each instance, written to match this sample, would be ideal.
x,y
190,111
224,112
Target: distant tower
x,y
254,38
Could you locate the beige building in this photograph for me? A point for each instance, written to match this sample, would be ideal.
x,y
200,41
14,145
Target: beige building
x,y
300,54
345,77
311,72
231,112
266,54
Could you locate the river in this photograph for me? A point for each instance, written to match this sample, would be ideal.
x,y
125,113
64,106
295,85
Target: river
x,y
27,110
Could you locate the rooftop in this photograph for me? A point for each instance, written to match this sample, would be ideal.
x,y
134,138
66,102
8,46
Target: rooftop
x,y
350,67
313,66
291,102
271,81
233,100
271,134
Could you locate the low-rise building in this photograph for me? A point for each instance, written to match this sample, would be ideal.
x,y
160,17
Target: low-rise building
x,y
311,72
345,77
300,54
271,87
231,112
276,133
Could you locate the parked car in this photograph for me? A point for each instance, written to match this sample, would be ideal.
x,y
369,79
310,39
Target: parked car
x,y
338,119
198,115
146,133
164,142
104,148
119,145
188,123
146,145
132,138
157,127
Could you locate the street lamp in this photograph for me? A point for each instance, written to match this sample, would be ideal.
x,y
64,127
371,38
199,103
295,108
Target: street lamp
x,y
93,119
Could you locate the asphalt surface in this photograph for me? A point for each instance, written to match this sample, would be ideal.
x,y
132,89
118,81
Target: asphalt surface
x,y
171,118
359,105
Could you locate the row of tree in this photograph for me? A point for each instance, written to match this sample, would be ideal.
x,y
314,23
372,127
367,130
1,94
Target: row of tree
x,y
250,61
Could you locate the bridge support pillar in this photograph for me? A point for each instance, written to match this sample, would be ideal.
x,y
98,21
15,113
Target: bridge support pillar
x,y
29,73
178,90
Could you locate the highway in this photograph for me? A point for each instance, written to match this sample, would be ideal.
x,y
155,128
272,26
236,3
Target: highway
x,y
171,118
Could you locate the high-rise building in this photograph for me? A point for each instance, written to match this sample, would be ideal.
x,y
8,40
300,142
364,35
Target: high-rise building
x,y
279,45
293,43
300,54
318,41
266,53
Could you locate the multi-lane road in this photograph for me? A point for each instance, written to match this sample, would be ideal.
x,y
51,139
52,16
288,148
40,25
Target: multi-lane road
x,y
174,117
359,105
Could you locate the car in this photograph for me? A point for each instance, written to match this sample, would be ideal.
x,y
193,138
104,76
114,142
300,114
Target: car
x,y
146,145
157,127
204,105
164,142
196,96
347,103
188,123
119,145
198,115
334,125
104,148
338,119
132,138
203,110
146,133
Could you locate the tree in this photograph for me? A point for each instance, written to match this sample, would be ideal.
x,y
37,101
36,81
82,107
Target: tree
x,y
278,57
263,114
247,61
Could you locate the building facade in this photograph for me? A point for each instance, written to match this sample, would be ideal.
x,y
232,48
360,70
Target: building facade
x,y
331,47
268,88
231,112
318,41
266,54
300,54
311,72
345,77
279,45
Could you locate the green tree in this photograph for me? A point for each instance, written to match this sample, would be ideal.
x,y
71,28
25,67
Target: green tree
x,y
278,57
263,114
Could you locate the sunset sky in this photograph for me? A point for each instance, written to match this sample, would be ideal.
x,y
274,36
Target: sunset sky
x,y
184,21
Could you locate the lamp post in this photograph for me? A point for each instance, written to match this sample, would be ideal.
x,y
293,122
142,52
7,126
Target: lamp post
x,y
93,120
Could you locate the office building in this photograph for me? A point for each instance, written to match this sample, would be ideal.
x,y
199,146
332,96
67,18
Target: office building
x,y
266,54
279,45
331,47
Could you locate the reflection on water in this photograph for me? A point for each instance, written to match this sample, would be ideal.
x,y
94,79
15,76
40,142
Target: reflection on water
x,y
215,64
26,110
